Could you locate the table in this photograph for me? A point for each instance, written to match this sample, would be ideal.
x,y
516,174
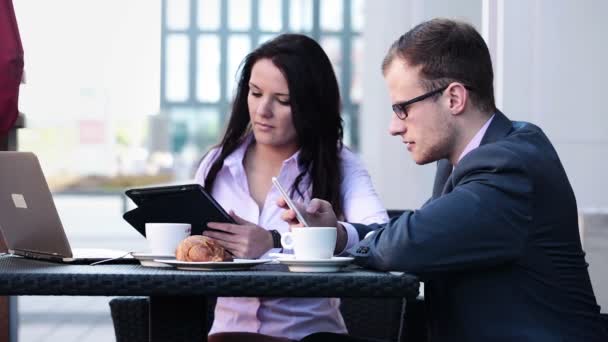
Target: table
x,y
176,296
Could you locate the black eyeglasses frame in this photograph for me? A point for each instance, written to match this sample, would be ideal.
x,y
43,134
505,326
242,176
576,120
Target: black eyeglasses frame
x,y
400,109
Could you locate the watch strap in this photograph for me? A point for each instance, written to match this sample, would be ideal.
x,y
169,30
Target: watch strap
x,y
276,238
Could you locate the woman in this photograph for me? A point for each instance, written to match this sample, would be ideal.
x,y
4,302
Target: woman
x,y
285,122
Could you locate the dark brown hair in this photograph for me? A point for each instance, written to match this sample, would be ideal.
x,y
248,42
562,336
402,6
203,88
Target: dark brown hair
x,y
448,51
315,106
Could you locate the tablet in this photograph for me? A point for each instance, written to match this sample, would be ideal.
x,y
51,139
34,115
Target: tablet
x,y
187,203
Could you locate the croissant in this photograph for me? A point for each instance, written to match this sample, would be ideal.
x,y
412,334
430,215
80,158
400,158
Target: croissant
x,y
201,248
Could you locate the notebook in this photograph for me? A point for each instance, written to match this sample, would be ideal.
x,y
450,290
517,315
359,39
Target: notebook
x,y
29,221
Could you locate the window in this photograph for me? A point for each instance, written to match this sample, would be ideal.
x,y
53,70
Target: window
x,y
204,41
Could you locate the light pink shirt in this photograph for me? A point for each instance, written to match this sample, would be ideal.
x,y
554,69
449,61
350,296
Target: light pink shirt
x,y
474,143
291,318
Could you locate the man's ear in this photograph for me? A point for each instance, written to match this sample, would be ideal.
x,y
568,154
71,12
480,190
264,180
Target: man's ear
x,y
458,96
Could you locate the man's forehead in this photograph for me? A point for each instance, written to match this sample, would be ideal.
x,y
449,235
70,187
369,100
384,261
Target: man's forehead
x,y
402,77
403,65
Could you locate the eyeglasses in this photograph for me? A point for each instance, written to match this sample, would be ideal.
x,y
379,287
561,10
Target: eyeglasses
x,y
400,109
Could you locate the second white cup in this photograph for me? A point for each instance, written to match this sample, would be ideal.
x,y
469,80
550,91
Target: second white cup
x,y
163,238
311,242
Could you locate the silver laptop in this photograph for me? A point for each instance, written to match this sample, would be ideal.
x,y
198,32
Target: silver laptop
x,y
29,221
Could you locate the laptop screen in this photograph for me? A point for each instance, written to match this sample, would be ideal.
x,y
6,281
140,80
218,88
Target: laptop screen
x,y
28,218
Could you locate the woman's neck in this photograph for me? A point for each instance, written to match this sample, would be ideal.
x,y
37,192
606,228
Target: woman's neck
x,y
261,163
272,155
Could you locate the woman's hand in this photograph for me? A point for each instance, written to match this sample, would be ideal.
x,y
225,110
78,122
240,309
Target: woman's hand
x,y
243,239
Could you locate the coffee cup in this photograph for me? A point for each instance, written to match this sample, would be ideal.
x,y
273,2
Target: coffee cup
x,y
311,242
163,238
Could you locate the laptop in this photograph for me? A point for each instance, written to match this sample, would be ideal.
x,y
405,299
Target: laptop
x,y
29,221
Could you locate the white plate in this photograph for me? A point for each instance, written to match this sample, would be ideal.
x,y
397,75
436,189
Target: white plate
x,y
147,259
237,264
316,265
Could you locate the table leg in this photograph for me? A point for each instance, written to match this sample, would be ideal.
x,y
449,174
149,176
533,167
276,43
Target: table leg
x,y
178,319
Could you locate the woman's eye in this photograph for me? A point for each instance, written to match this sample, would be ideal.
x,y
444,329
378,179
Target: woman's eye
x,y
256,94
284,102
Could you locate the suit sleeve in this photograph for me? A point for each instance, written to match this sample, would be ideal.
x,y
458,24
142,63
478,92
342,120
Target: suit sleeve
x,y
483,221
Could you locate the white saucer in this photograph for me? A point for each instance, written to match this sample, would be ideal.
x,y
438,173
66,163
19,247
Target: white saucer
x,y
237,264
147,259
316,265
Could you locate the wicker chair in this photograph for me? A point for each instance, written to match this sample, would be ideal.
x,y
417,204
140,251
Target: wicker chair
x,y
131,316
372,318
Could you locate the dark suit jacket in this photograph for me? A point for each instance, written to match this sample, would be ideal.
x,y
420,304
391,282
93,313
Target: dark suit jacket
x,y
497,245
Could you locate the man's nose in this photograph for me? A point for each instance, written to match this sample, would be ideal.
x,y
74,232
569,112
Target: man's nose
x,y
396,125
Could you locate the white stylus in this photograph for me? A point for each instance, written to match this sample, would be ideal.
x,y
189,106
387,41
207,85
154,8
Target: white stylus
x,y
290,204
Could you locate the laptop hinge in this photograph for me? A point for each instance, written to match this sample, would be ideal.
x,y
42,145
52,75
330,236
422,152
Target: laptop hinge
x,y
37,255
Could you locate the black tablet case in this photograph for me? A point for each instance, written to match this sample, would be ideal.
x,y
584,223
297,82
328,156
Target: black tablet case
x,y
188,203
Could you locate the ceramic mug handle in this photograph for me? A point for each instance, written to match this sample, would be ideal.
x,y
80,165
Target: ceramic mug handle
x,y
287,240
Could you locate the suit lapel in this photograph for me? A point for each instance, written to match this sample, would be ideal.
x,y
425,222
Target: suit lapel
x,y
498,129
444,170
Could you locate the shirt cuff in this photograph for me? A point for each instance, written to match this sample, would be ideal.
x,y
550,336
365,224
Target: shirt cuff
x,y
272,250
353,236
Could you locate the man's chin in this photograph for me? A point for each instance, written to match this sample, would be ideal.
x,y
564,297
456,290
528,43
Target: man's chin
x,y
421,160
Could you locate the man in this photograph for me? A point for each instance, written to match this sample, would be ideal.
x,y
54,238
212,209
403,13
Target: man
x,y
497,245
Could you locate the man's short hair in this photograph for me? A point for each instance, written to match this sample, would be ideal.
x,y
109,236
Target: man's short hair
x,y
448,51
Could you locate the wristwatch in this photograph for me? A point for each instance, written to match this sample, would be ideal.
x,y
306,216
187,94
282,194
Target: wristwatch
x,y
276,238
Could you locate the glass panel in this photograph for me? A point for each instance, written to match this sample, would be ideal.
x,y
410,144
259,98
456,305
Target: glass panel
x,y
356,64
238,48
208,73
209,14
265,37
270,17
300,15
347,128
239,14
356,15
176,72
332,47
178,14
206,132
193,130
331,15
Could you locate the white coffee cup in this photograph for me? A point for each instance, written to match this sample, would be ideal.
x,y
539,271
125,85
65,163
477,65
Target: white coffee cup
x,y
311,242
163,238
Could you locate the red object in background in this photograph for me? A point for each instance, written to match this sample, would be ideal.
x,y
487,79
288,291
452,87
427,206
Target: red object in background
x,y
11,66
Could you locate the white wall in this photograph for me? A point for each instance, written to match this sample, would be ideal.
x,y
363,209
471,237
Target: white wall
x,y
400,182
555,76
94,61
551,57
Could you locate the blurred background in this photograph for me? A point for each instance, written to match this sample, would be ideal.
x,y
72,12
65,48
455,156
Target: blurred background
x,y
123,93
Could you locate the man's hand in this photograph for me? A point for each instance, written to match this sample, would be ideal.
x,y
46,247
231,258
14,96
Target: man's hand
x,y
243,240
318,213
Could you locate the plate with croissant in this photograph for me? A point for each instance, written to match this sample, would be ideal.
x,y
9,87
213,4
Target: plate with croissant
x,y
234,265
201,253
